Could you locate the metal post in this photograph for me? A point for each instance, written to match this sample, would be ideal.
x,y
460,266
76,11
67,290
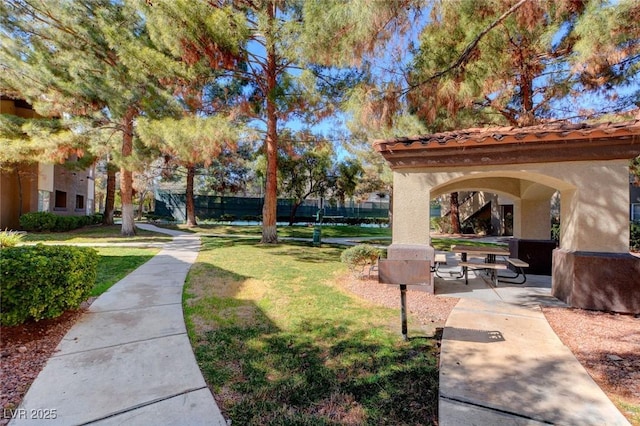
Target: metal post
x,y
403,310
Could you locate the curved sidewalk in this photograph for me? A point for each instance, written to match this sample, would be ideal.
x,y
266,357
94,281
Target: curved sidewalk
x,y
128,360
502,364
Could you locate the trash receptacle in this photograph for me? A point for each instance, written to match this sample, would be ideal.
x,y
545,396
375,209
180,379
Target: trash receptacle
x,y
316,235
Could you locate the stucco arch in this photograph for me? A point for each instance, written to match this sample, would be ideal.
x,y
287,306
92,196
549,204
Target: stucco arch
x,y
501,186
510,184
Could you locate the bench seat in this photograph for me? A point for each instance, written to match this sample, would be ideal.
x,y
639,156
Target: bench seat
x,y
477,265
439,259
519,265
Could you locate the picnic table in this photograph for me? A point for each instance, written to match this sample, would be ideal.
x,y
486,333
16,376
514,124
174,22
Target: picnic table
x,y
489,264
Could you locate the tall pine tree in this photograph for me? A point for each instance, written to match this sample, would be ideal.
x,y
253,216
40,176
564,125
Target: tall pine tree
x,y
283,51
190,142
523,68
86,58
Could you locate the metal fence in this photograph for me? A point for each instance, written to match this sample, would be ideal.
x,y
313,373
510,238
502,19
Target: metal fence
x,y
173,206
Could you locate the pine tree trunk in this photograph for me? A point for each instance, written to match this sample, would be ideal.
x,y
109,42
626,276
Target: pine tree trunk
x,y
455,213
110,195
191,208
126,177
269,208
528,115
142,195
294,210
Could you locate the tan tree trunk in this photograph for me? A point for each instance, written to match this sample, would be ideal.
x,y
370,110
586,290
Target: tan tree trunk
x,y
191,208
269,208
141,197
455,213
126,177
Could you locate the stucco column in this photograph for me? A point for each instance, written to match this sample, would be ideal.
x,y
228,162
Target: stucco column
x,y
593,268
411,214
517,218
535,219
594,217
410,227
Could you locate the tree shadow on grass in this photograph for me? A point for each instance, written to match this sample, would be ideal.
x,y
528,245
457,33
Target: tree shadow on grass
x,y
322,368
321,372
299,250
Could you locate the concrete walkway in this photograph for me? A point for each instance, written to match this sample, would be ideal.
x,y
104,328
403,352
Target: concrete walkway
x,y
502,364
128,360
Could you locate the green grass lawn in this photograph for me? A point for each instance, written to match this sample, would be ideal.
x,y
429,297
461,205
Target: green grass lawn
x,y
116,262
369,235
280,342
98,234
329,231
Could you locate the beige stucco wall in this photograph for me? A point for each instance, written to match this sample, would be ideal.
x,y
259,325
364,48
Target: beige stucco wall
x,y
411,197
595,216
594,200
532,219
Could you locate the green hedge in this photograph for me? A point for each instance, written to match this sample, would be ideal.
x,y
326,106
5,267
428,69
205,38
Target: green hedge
x,y
44,281
49,222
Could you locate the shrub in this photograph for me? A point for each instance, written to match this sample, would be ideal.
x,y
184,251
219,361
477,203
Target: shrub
x,y
381,221
359,257
227,217
49,222
251,218
555,232
44,281
441,224
481,226
38,221
10,238
97,218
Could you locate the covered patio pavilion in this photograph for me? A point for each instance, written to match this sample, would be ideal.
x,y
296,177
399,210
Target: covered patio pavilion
x,y
587,164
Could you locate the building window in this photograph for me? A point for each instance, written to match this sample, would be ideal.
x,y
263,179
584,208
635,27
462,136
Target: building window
x,y
44,201
79,202
635,212
61,200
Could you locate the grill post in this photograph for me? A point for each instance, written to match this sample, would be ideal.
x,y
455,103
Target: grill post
x,y
403,311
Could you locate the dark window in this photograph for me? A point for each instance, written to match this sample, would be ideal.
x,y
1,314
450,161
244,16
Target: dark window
x,y
61,200
79,202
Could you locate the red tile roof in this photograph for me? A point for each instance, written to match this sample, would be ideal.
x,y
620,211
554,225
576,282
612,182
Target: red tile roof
x,y
512,135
